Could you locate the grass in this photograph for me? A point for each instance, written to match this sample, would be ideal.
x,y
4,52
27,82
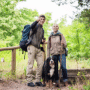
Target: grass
x,y
85,85
72,63
21,63
21,67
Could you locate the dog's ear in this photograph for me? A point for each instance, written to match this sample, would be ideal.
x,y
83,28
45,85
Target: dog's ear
x,y
53,57
48,60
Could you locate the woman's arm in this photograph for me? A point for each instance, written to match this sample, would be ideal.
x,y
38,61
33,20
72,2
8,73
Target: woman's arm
x,y
63,41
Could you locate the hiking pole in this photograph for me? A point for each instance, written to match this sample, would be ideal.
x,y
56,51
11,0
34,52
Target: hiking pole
x,y
49,52
60,69
60,60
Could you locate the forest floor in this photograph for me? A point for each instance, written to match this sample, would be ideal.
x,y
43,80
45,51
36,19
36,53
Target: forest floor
x,y
22,85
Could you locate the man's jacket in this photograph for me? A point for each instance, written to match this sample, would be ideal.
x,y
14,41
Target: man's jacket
x,y
37,34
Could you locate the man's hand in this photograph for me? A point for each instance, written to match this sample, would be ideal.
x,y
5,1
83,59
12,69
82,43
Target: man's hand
x,y
38,19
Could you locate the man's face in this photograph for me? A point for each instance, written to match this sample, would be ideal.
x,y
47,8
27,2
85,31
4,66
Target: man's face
x,y
55,27
42,20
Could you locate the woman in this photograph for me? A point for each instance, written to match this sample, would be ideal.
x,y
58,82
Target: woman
x,y
56,47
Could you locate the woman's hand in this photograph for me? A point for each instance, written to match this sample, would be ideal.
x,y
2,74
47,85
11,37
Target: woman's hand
x,y
62,43
43,40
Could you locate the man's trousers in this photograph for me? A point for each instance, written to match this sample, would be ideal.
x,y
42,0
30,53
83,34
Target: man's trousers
x,y
34,53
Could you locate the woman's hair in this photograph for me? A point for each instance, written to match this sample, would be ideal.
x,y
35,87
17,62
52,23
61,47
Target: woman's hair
x,y
55,24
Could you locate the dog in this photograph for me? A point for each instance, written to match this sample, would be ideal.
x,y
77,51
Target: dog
x,y
48,72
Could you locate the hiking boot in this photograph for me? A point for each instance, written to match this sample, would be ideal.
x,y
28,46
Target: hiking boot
x,y
31,84
43,85
39,84
57,85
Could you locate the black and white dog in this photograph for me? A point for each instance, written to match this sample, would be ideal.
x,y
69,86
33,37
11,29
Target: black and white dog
x,y
48,71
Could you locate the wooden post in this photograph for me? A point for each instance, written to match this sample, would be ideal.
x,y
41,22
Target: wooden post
x,y
44,54
44,57
45,51
13,61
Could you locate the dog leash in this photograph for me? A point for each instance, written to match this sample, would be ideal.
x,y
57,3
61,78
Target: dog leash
x,y
60,69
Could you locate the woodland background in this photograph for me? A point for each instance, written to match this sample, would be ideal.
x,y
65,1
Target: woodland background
x,y
12,22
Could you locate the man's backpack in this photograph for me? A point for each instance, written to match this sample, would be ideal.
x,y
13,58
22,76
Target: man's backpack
x,y
25,36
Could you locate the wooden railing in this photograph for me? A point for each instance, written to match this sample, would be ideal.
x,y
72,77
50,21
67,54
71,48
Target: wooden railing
x,y
13,62
71,72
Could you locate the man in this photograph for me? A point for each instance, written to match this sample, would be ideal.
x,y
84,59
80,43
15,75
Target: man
x,y
34,51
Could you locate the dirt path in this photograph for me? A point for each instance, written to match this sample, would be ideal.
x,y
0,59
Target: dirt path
x,y
20,85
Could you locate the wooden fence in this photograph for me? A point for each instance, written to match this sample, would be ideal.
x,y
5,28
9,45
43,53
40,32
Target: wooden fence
x,y
13,62
71,72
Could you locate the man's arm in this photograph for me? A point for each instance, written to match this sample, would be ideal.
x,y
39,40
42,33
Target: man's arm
x,y
43,39
48,47
35,23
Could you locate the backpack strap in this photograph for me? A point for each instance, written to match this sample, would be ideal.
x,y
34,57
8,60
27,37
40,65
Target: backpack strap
x,y
50,40
60,38
24,55
49,45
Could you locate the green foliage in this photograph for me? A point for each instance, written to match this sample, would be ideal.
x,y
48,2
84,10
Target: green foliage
x,y
71,88
0,74
62,22
8,75
77,37
12,21
25,70
86,87
47,25
85,18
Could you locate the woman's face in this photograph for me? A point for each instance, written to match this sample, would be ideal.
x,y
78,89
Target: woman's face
x,y
55,27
